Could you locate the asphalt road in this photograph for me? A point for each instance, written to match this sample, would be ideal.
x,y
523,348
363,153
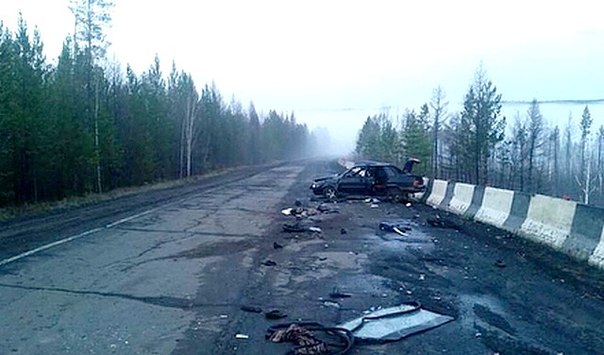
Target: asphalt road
x,y
167,272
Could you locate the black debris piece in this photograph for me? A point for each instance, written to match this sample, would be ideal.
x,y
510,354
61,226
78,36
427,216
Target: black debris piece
x,y
251,309
323,208
293,228
269,262
439,222
277,245
343,231
390,227
338,294
500,263
275,314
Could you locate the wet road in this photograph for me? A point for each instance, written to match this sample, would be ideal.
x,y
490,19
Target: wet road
x,y
136,286
173,279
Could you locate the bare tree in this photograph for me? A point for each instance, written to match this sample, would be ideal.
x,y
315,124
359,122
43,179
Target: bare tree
x,y
585,125
534,139
439,109
91,16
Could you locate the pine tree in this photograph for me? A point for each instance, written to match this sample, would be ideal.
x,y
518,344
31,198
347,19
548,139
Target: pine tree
x,y
482,115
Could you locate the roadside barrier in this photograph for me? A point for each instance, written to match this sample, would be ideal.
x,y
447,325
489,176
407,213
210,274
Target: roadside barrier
x,y
570,227
438,193
461,199
496,207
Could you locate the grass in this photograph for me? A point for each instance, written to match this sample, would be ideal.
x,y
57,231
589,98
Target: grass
x,y
30,209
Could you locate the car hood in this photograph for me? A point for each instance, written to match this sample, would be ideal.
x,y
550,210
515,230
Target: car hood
x,y
330,177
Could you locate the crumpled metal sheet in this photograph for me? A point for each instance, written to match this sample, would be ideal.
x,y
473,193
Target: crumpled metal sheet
x,y
394,323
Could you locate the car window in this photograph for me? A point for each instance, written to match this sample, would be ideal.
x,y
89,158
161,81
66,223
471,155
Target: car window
x,y
390,171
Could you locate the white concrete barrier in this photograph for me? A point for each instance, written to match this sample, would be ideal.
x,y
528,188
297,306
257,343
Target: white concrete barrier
x,y
597,258
496,206
439,190
549,220
462,198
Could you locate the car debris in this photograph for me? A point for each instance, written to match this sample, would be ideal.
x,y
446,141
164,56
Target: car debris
x,y
310,338
332,304
277,245
242,336
500,263
394,323
269,262
439,222
343,231
251,309
275,314
337,294
298,228
398,228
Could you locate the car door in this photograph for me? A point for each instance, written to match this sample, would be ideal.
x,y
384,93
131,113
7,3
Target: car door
x,y
354,181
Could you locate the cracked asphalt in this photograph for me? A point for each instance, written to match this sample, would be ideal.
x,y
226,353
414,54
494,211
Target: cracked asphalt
x,y
172,280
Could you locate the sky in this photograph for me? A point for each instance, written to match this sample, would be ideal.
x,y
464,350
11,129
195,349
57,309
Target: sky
x,y
334,62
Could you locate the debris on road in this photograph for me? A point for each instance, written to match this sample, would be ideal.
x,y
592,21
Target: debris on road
x,y
337,341
398,228
251,309
332,304
298,228
343,231
408,204
275,314
242,336
277,245
374,205
500,263
437,221
269,262
338,294
394,323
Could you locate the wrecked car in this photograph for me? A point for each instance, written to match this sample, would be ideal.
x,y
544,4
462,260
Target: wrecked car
x,y
369,178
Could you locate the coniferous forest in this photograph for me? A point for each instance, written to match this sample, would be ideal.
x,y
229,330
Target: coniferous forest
x,y
479,145
87,125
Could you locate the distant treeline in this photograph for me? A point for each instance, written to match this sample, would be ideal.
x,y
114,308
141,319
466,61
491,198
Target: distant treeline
x,y
78,127
474,146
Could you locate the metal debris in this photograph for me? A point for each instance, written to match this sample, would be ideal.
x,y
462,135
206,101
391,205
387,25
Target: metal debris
x,y
394,323
275,314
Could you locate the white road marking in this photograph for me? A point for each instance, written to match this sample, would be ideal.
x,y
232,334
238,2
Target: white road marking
x,y
124,220
110,225
74,237
48,246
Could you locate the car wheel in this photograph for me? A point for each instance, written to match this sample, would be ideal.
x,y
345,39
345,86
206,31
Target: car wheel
x,y
395,195
330,193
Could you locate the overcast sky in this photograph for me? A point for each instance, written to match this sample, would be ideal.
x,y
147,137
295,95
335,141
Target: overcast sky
x,y
335,62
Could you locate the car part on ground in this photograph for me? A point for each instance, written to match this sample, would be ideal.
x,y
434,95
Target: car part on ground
x,y
312,338
394,323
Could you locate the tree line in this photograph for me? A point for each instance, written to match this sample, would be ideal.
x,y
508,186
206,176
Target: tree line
x,y
85,125
476,146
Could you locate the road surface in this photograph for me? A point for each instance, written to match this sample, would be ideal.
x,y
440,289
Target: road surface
x,y
167,272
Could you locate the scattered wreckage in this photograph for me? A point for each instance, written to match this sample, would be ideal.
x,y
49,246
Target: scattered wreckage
x,y
370,178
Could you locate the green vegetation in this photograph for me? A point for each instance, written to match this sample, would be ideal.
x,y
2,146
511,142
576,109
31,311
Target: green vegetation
x,y
82,125
472,146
